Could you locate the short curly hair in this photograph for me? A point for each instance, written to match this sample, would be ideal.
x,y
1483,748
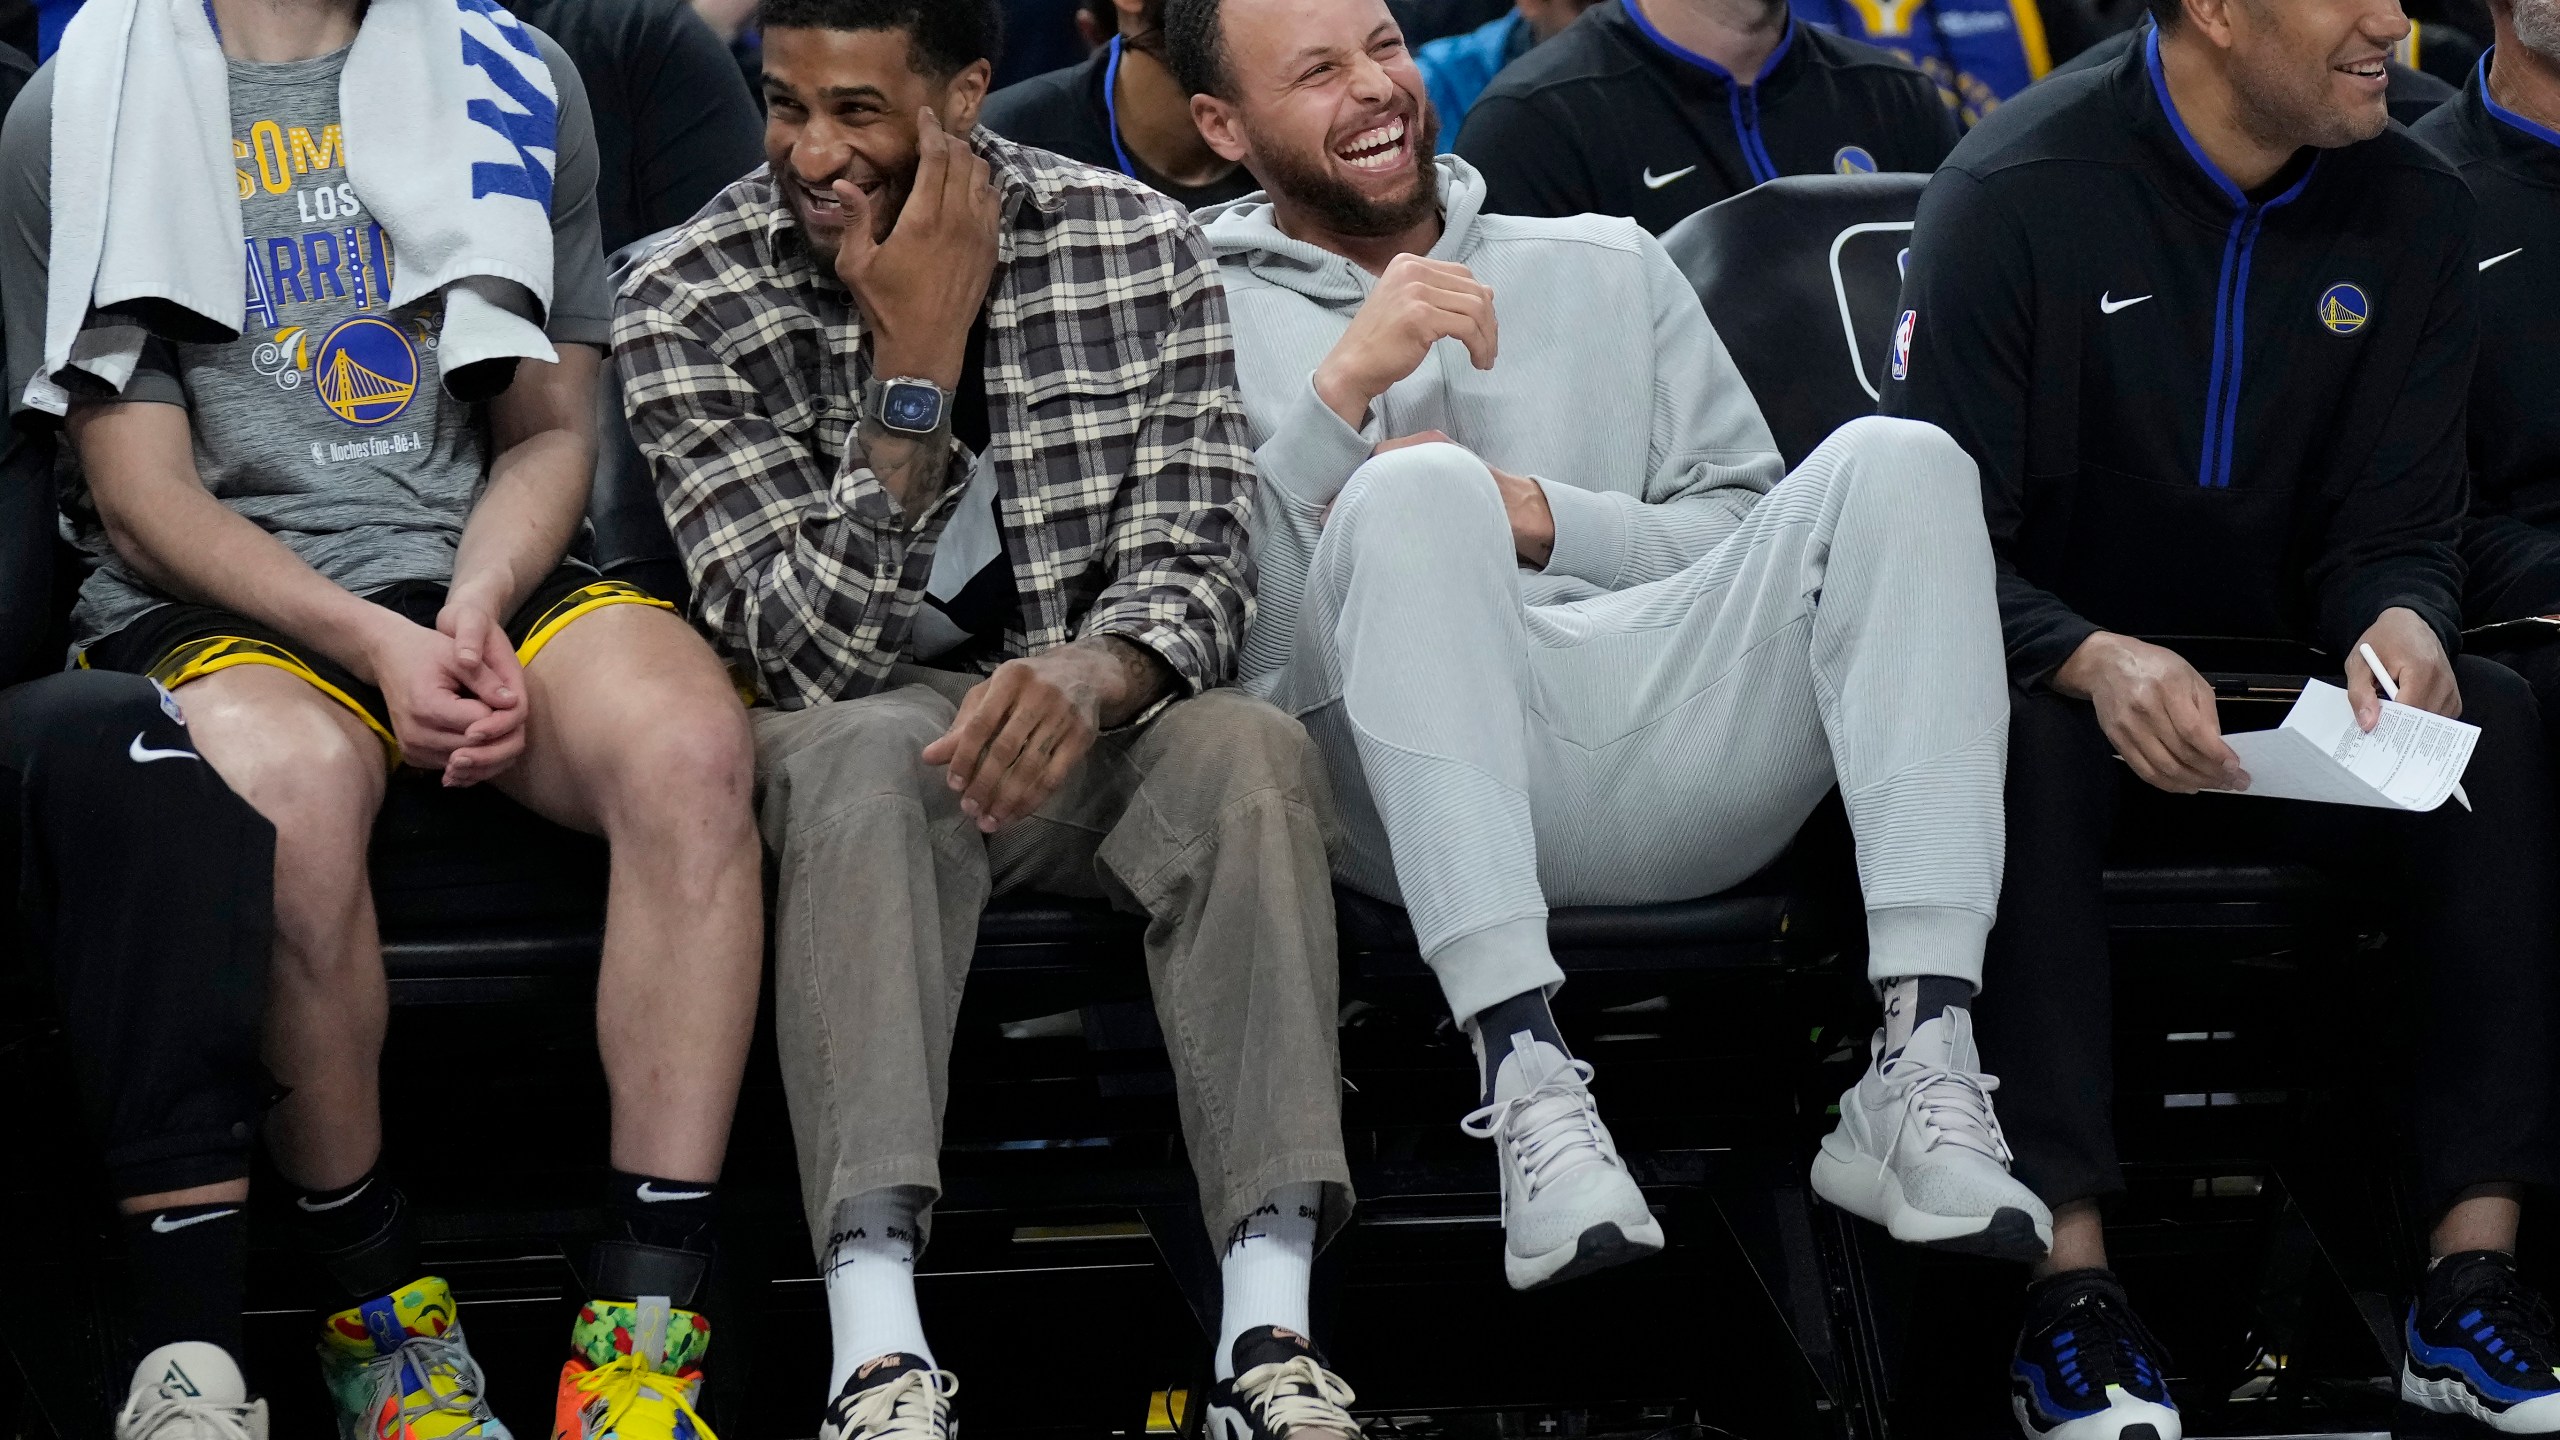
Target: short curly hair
x,y
1195,45
944,37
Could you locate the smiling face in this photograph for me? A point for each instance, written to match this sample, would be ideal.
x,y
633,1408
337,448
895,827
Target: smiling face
x,y
2310,72
841,105
1328,112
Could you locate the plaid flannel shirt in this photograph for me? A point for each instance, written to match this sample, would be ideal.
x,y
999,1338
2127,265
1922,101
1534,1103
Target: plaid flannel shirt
x,y
1116,432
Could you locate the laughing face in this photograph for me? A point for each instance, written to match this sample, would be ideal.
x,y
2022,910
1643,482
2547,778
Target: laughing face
x,y
1329,113
841,105
2310,72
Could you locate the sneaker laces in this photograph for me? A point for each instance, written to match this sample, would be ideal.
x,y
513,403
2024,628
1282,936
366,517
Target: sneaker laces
x,y
916,1404
1954,1108
2515,1314
1552,1129
1298,1393
622,1385
2111,1337
430,1356
184,1417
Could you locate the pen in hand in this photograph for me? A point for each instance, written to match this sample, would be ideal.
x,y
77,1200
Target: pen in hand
x,y
2391,691
2381,676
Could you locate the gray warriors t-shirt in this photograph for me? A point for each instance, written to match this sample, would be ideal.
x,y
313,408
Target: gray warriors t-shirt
x,y
326,422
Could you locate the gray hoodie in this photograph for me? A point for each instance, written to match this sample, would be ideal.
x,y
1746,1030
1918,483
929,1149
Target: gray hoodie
x,y
1610,389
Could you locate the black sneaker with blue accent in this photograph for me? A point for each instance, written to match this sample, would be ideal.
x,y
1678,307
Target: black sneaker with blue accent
x,y
2480,1346
2086,1368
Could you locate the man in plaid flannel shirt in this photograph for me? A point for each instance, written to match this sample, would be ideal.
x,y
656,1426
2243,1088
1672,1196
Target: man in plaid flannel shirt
x,y
948,433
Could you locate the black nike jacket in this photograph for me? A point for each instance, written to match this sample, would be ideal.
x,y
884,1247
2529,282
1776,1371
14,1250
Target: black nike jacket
x,y
2197,411
2513,165
1612,118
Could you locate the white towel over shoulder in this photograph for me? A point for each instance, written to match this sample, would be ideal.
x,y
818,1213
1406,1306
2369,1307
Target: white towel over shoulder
x,y
451,122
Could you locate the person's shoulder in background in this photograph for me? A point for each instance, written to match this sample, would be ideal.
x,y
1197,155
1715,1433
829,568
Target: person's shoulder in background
x,y
1921,127
1054,112
1456,68
1587,50
16,69
673,117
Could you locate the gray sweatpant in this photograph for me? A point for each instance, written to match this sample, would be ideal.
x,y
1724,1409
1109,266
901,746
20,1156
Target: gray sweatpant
x,y
1211,820
1494,756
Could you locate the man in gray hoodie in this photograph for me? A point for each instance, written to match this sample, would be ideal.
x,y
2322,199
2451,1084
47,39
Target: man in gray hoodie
x,y
1532,578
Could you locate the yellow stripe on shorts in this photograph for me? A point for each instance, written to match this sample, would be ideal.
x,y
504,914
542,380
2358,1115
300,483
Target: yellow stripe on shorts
x,y
579,602
198,658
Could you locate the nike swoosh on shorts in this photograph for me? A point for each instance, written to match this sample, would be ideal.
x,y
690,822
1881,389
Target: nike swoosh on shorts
x,y
142,754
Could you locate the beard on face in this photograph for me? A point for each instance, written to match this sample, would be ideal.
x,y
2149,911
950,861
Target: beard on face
x,y
2281,104
1339,206
2538,27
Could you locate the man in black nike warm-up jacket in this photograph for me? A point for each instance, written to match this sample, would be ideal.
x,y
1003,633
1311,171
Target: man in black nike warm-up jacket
x,y
2503,133
2205,320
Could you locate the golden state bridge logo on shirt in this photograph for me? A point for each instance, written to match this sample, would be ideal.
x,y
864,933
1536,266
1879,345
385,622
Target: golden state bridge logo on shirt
x,y
365,371
1852,160
2344,309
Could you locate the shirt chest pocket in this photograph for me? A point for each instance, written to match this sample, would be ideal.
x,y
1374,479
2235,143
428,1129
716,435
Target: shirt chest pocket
x,y
805,381
1090,411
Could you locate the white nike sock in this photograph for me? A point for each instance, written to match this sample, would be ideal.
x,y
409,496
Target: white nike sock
x,y
1270,1258
870,1272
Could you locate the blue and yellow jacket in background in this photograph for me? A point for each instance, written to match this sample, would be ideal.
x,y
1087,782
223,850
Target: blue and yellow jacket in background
x,y
1980,52
1456,68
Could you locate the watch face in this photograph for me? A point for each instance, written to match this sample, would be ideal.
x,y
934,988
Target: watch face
x,y
911,407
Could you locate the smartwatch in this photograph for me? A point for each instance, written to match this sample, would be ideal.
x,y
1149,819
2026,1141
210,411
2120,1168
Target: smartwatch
x,y
905,405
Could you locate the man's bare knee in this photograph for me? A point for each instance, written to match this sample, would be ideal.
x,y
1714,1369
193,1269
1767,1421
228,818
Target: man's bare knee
x,y
300,759
693,764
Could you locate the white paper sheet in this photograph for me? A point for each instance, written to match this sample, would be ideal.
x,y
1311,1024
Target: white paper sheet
x,y
2412,760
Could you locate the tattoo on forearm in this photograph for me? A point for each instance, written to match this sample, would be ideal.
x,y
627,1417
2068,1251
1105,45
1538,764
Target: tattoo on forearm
x,y
913,470
1144,676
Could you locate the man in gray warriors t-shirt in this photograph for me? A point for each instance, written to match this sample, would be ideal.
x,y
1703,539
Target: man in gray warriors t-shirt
x,y
338,568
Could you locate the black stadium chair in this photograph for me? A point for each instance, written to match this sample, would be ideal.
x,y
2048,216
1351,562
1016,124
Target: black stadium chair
x,y
1801,276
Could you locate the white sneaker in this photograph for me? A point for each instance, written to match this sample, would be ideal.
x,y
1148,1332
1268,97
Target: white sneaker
x,y
1918,1151
190,1391
1569,1207
893,1397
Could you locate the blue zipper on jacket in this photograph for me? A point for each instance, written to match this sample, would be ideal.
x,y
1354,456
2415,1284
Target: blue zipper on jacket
x,y
2231,289
1743,98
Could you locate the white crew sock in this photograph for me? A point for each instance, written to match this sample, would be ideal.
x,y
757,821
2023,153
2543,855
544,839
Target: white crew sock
x,y
870,1272
1269,1260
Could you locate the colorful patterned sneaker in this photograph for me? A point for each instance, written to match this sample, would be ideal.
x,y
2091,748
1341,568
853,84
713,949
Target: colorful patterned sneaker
x,y
635,1373
2480,1345
399,1370
2086,1367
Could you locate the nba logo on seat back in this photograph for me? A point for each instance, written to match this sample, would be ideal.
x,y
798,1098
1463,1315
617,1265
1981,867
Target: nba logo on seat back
x,y
1902,329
